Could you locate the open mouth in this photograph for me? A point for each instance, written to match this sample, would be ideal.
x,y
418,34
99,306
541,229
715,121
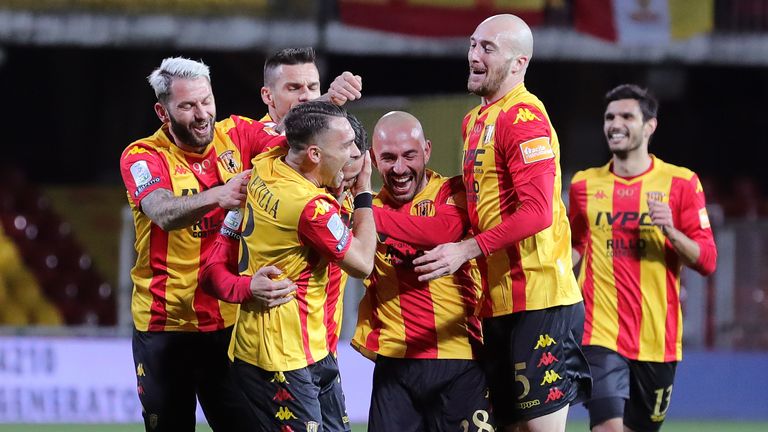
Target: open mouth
x,y
401,185
616,137
202,129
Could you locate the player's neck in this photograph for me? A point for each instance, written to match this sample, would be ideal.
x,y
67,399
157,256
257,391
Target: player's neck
x,y
510,83
303,166
632,164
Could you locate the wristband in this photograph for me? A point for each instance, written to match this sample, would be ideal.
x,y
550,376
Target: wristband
x,y
363,200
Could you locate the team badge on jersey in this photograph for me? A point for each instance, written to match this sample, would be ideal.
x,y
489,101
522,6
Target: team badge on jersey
x,y
227,160
424,208
537,149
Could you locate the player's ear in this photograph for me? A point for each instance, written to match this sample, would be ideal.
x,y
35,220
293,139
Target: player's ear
x,y
266,97
650,127
427,150
161,112
313,153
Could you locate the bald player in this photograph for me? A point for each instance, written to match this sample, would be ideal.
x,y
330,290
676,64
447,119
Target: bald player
x,y
422,335
532,310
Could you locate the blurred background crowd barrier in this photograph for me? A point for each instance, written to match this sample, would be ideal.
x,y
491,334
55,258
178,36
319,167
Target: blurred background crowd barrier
x,y
74,94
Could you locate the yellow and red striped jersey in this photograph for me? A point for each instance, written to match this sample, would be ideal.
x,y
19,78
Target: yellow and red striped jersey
x,y
507,144
294,225
165,295
630,274
404,318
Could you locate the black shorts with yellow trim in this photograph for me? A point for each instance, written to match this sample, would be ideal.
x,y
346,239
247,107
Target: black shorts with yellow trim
x,y
308,399
637,391
534,363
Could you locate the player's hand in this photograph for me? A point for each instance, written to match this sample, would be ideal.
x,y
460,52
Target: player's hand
x,y
363,180
232,194
445,259
269,291
345,88
661,215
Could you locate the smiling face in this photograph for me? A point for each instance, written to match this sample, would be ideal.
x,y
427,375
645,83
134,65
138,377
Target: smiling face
x,y
401,154
190,111
624,128
292,85
336,147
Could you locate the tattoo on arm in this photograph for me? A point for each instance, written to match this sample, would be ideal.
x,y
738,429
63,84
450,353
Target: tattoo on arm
x,y
171,212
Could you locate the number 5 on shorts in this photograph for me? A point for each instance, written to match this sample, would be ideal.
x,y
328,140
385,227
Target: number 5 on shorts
x,y
522,379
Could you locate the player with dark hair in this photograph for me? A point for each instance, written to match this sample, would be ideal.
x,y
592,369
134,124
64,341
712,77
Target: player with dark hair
x,y
282,356
636,222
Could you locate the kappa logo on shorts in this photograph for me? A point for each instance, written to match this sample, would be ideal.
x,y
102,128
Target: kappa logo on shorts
x,y
282,395
140,390
285,414
140,369
286,428
280,378
554,394
544,341
547,359
550,376
312,426
528,404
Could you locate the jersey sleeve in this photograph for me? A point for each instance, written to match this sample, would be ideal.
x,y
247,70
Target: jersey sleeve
x,y
321,228
143,171
577,216
218,274
253,137
524,139
450,222
694,223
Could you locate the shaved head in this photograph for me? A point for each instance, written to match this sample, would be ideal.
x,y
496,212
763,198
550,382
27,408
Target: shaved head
x,y
401,153
398,125
499,52
511,32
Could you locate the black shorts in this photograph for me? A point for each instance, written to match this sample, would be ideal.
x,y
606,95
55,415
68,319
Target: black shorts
x,y
429,395
173,367
307,399
533,362
637,391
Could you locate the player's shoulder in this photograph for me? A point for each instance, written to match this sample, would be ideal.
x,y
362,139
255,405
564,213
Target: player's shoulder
x,y
142,147
591,173
672,170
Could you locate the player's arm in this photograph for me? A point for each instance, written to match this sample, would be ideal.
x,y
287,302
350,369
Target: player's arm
x,y
321,227
534,183
171,212
345,88
252,137
219,276
358,260
691,237
450,222
578,220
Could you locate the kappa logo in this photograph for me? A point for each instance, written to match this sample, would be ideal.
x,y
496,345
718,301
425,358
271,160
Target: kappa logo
x,y
140,390
136,150
180,170
547,359
550,376
286,428
284,414
600,194
321,207
282,395
140,369
279,378
544,341
554,394
525,115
